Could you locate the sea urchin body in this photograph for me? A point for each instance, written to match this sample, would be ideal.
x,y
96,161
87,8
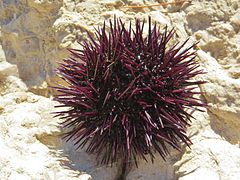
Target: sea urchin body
x,y
128,94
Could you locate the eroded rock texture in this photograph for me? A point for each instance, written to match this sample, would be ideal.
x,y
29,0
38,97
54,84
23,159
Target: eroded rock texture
x,y
34,35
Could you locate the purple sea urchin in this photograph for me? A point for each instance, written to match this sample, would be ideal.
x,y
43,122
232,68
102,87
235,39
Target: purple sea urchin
x,y
128,94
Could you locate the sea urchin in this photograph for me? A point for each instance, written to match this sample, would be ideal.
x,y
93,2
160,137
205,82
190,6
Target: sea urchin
x,y
128,94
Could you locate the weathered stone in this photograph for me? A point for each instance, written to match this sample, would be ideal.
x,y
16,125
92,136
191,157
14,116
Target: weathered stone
x,y
24,121
7,69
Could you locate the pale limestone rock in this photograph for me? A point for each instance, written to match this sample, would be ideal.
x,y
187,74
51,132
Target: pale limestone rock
x,y
207,157
160,169
159,17
178,22
12,84
69,28
217,31
7,69
222,93
84,162
212,151
115,3
2,54
110,14
24,119
45,6
9,79
235,20
28,39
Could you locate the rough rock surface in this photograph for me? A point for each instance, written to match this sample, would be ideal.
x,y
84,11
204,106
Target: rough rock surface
x,y
30,146
34,35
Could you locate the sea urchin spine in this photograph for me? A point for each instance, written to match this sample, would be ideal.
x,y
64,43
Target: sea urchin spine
x,y
127,94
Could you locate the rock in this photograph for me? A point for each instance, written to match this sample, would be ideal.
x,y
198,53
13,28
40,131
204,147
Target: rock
x,y
9,79
82,161
115,3
12,84
160,169
7,69
2,54
28,39
160,18
222,93
110,14
235,21
216,165
45,6
24,119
